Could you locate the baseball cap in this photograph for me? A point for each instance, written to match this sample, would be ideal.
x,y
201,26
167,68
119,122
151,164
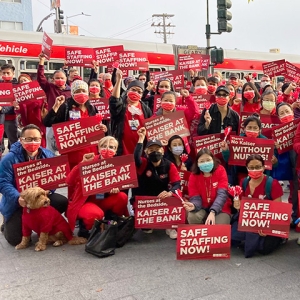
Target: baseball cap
x,y
154,142
222,88
233,75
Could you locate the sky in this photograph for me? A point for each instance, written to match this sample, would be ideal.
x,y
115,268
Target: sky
x,y
258,26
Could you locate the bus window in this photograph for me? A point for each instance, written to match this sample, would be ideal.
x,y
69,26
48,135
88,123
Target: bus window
x,y
53,66
32,65
86,74
5,61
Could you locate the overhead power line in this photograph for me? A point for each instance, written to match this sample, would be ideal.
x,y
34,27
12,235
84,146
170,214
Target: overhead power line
x,y
162,25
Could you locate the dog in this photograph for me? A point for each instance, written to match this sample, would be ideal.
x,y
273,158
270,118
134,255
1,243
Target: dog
x,y
45,220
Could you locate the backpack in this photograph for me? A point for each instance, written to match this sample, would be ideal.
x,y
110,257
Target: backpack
x,y
268,187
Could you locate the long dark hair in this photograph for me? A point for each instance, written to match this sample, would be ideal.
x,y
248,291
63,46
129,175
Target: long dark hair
x,y
255,157
165,79
255,118
168,152
102,94
256,96
195,168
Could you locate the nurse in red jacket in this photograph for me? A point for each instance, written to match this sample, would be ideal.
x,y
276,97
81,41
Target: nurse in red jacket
x,y
208,198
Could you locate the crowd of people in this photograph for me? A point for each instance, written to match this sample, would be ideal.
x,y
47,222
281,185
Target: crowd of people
x,y
158,162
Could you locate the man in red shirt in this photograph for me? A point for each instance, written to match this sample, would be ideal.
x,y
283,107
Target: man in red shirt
x,y
127,114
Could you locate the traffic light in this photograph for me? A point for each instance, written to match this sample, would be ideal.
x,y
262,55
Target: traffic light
x,y
217,56
59,20
224,15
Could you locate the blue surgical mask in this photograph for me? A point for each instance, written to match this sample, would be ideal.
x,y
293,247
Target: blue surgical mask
x,y
206,167
177,150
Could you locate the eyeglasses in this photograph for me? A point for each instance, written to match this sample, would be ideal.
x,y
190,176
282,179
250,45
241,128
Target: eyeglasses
x,y
252,168
29,139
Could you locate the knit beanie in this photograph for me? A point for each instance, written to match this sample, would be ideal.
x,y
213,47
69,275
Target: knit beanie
x,y
77,85
136,83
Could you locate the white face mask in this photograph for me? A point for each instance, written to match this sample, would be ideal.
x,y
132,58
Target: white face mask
x,y
264,83
267,105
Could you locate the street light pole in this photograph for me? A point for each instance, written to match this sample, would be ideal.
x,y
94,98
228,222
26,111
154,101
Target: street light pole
x,y
39,28
67,19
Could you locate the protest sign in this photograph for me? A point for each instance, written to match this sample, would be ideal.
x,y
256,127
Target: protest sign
x,y
131,60
157,103
187,62
211,142
184,182
202,101
47,173
152,212
284,135
82,57
107,55
47,45
110,69
176,76
205,60
273,218
292,72
77,134
28,91
102,105
274,68
203,242
6,94
101,176
163,127
241,147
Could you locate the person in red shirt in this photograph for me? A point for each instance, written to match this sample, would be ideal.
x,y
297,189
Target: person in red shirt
x,y
127,114
208,198
108,86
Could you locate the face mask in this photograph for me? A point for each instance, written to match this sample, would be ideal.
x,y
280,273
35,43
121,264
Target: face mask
x,y
107,153
161,91
107,83
177,150
251,134
234,82
263,84
31,146
222,101
94,89
255,174
211,88
232,94
287,118
206,167
7,78
81,98
134,96
59,82
155,156
249,95
267,105
168,106
200,90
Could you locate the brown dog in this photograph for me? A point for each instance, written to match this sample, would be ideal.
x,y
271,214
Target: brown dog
x,y
45,220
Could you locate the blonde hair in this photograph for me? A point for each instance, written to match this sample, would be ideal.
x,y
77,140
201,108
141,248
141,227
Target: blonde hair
x,y
106,140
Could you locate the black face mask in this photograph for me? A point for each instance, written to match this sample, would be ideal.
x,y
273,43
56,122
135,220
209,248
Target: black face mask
x,y
155,156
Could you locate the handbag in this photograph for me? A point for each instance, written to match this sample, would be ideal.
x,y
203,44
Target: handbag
x,y
125,231
102,240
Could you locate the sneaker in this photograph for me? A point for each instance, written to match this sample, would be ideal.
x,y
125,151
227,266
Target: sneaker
x,y
147,230
172,233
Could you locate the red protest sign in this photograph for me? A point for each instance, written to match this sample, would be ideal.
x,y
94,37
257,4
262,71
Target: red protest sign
x,y
101,176
82,57
102,105
205,61
201,100
163,127
203,242
284,135
184,182
77,134
47,173
107,55
131,60
176,76
211,142
158,213
187,62
274,68
47,45
28,91
241,147
157,103
292,72
273,218
110,69
6,94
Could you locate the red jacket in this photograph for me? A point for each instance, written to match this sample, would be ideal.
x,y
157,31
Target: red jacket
x,y
44,219
297,146
189,106
51,90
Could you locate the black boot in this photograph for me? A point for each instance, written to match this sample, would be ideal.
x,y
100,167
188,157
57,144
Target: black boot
x,y
83,232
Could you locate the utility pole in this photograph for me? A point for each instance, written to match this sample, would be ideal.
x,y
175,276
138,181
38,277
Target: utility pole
x,y
163,25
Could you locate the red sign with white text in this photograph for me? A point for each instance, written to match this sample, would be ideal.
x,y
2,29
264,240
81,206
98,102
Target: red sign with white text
x,y
205,61
47,173
101,176
77,134
241,147
274,68
131,60
191,61
6,94
284,135
273,218
176,76
163,127
202,101
28,91
82,57
102,105
152,212
47,45
203,242
107,55
184,182
110,69
292,71
211,142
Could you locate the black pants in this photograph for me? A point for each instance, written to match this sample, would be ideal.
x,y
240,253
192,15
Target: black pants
x,y
13,227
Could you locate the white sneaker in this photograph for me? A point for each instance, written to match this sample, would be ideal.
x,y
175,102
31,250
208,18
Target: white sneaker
x,y
172,233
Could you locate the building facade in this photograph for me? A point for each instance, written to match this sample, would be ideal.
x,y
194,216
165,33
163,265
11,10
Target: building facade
x,y
16,15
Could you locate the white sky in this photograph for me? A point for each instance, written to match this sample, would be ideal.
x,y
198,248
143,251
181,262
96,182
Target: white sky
x,y
257,26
